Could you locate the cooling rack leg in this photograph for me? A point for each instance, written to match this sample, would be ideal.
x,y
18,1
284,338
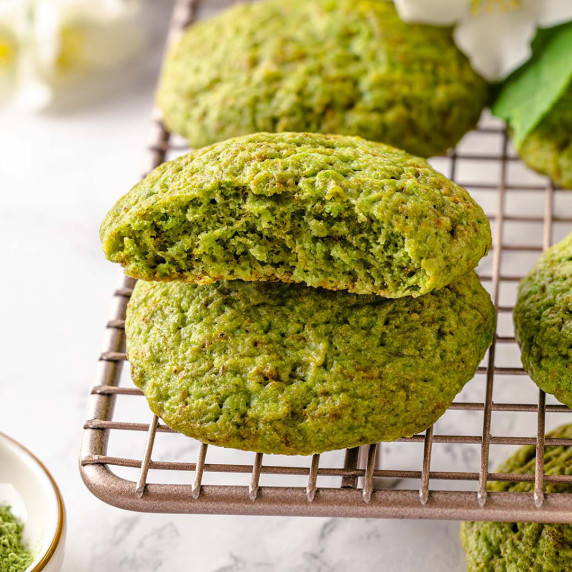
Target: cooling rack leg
x,y
350,463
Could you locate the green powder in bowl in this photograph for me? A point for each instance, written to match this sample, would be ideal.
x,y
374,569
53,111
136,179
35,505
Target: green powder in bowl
x,y
14,556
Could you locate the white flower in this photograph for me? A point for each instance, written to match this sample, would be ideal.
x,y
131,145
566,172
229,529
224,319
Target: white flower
x,y
53,44
494,34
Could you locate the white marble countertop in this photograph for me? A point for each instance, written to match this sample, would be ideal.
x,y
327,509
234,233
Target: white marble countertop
x,y
60,172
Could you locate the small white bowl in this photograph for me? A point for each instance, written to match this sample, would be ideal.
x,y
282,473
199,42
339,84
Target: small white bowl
x,y
30,490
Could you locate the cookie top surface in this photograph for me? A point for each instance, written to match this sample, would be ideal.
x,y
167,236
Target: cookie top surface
x,y
548,149
283,368
543,321
506,546
332,211
331,66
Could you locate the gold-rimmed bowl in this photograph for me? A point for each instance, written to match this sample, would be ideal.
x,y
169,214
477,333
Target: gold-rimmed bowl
x,y
30,490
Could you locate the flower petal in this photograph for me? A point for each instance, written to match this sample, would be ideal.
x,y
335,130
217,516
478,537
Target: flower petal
x,y
551,12
100,10
89,46
496,43
34,92
77,36
45,33
442,12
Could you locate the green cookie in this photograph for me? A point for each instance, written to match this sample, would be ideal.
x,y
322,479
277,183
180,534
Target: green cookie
x,y
548,149
524,547
330,66
331,211
543,321
283,368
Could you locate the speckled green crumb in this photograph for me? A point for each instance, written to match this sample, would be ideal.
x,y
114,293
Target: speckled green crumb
x,y
524,547
283,368
325,210
14,557
330,66
548,149
543,321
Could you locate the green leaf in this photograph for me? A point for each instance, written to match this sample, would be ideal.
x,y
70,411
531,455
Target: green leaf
x,y
528,94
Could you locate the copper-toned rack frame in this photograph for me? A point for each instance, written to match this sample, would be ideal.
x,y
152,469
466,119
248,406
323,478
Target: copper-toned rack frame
x,y
356,495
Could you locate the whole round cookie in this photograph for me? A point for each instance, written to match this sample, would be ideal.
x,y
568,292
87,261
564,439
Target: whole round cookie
x,y
283,368
331,211
330,66
543,321
548,149
518,546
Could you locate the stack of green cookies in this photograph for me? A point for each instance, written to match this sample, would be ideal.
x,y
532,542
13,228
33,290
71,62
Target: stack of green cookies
x,y
305,292
301,292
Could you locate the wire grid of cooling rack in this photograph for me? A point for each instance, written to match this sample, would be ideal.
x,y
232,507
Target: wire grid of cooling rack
x,y
390,480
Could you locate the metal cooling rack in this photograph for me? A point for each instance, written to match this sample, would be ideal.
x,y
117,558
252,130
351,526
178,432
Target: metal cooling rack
x,y
131,460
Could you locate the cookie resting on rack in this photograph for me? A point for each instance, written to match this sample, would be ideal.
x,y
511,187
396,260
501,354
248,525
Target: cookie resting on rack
x,y
331,211
328,66
543,321
519,546
548,149
287,369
